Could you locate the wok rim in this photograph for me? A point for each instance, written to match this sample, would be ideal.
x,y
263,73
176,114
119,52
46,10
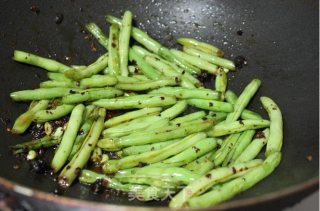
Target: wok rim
x,y
79,203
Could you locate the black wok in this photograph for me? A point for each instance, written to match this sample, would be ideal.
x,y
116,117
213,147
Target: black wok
x,y
279,40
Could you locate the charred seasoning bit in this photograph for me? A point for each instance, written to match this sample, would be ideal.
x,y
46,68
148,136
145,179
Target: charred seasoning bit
x,y
178,124
241,122
208,176
240,61
35,9
77,171
196,149
260,134
37,131
204,118
133,62
141,164
58,18
210,104
239,32
162,98
309,157
234,170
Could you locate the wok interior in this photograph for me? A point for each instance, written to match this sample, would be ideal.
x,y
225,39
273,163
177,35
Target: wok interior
x,y
279,40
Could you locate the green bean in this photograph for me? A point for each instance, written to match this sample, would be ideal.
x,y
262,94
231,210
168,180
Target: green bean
x,y
205,182
98,81
211,105
238,185
137,34
144,67
217,116
65,147
47,64
237,126
133,150
221,82
24,120
210,58
185,75
144,52
157,176
138,101
132,115
41,94
253,149
189,117
202,46
153,156
161,66
276,132
133,125
168,70
84,130
168,55
146,85
52,114
244,100
175,110
230,151
92,69
91,94
197,164
69,173
196,61
98,34
244,140
114,56
124,39
231,97
163,134
44,142
186,93
190,154
58,77
126,79
219,156
52,84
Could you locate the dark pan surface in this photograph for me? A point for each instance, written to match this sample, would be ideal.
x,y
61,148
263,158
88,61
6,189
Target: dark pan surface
x,y
279,40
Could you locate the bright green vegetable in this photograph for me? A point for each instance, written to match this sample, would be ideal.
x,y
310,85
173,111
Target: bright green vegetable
x,y
52,114
237,126
24,120
95,30
276,132
47,64
92,69
138,101
69,136
124,39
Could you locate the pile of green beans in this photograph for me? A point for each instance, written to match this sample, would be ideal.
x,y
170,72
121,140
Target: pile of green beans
x,y
201,158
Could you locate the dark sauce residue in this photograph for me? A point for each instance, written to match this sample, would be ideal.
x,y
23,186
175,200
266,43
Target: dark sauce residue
x,y
39,166
99,186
